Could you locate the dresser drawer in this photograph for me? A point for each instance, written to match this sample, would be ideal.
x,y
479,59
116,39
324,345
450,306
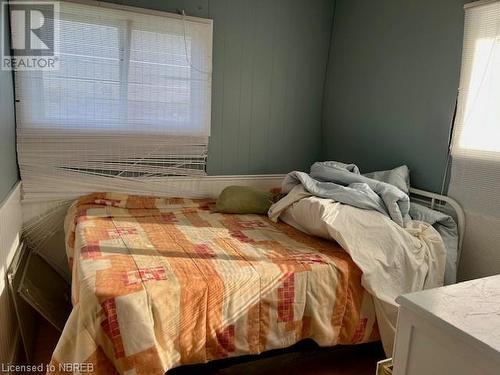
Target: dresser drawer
x,y
422,347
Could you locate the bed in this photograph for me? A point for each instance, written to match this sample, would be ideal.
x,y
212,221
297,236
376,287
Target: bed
x,y
164,282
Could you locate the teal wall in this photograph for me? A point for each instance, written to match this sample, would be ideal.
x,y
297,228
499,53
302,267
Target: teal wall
x,y
388,99
8,162
392,83
269,70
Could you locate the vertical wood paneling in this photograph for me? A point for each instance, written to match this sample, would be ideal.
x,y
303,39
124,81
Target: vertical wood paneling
x,y
262,84
10,229
392,84
283,43
296,108
246,84
269,69
233,50
311,107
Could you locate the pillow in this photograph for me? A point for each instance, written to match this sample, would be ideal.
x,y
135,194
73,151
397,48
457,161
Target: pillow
x,y
399,177
243,200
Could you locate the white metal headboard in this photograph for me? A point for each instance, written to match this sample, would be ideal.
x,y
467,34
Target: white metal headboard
x,y
439,202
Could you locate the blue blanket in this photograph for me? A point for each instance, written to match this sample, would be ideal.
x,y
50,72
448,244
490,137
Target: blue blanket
x,y
343,183
386,192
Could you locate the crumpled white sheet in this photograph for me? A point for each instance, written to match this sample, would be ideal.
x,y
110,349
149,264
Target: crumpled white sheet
x,y
394,260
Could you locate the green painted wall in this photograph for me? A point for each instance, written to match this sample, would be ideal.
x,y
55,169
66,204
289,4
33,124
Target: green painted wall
x,y
8,158
392,83
389,95
269,70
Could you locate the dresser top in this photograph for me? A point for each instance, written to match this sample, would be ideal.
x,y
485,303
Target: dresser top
x,y
470,309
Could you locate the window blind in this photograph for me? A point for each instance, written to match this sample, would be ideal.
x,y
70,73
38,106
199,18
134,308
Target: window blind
x,y
128,107
477,129
131,97
475,171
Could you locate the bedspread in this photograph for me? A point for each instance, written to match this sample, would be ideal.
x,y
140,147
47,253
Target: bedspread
x,y
162,282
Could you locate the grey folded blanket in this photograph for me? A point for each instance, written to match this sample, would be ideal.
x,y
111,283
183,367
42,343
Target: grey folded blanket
x,y
343,183
385,191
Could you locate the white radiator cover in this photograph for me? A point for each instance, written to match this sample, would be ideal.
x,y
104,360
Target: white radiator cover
x,y
10,230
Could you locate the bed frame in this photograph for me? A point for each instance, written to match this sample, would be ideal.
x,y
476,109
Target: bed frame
x,y
211,187
444,204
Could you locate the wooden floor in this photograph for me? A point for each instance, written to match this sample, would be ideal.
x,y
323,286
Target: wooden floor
x,y
304,358
45,344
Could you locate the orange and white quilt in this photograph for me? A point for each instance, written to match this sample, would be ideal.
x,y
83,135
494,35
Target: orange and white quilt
x,y
163,282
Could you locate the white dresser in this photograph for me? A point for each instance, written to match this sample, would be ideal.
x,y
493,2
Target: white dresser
x,y
450,330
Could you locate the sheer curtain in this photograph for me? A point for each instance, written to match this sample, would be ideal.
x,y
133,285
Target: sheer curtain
x,y
475,171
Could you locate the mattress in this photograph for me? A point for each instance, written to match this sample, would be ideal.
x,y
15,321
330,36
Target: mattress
x,y
162,282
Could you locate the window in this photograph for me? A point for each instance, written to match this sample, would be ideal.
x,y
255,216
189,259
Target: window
x,y
131,97
475,168
477,132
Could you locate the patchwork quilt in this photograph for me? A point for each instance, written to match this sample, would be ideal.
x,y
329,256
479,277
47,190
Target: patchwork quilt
x,y
163,282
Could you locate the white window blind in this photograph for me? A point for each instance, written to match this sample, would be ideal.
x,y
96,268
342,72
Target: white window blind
x,y
131,98
128,108
477,127
475,171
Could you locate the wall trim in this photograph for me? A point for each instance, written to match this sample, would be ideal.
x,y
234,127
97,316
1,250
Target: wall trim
x,y
10,234
14,190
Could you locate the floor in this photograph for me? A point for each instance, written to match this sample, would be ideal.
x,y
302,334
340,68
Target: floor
x,y
45,343
304,358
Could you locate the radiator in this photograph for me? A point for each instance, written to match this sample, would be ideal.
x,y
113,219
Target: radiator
x,y
10,229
